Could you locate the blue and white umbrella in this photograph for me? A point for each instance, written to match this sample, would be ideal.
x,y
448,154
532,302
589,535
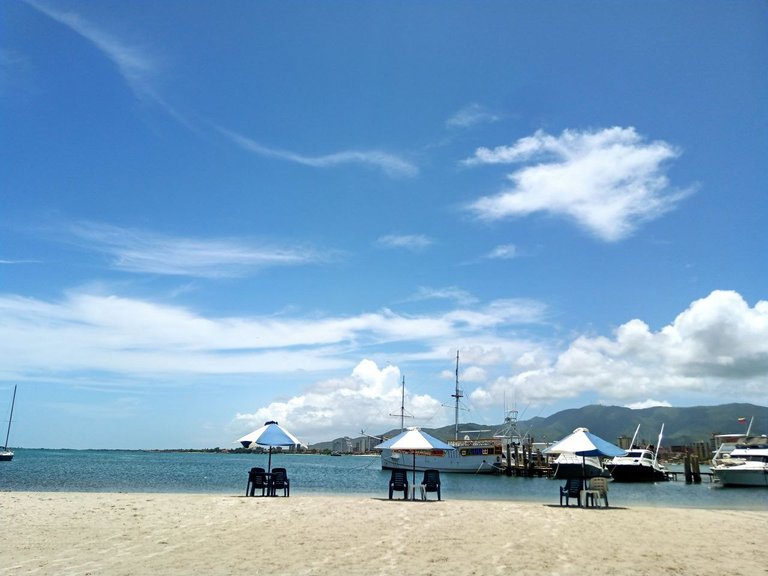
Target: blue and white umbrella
x,y
271,434
412,440
583,443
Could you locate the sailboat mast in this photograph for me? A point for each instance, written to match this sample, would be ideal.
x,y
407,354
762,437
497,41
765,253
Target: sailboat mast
x,y
402,406
658,444
10,419
458,395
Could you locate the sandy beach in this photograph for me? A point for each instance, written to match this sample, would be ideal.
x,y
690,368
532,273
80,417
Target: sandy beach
x,y
185,534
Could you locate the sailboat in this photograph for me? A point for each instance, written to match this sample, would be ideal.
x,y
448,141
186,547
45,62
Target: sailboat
x,y
7,455
482,456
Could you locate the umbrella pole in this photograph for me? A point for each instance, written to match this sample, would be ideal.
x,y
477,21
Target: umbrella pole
x,y
269,464
413,489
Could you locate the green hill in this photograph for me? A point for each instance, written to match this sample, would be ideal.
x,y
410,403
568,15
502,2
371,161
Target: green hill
x,y
682,426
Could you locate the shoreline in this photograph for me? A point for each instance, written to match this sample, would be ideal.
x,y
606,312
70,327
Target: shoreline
x,y
758,503
219,534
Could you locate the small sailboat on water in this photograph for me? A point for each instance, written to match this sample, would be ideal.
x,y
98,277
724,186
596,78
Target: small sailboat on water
x,y
481,456
6,455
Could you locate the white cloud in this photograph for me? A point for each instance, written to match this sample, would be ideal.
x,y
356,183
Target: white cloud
x,y
471,115
448,293
608,181
718,346
649,403
474,374
131,338
390,164
414,242
503,252
366,399
133,63
135,250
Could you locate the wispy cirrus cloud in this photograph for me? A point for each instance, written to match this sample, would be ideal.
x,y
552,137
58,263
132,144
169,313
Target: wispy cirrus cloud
x,y
133,63
139,68
135,250
9,262
608,181
471,115
503,252
109,333
453,293
141,72
390,164
413,242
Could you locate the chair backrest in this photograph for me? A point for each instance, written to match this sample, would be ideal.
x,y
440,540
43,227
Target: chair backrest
x,y
599,483
399,478
573,485
279,477
257,476
431,478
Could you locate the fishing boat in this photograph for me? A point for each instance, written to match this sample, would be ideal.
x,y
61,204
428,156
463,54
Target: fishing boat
x,y
639,464
743,462
468,456
6,455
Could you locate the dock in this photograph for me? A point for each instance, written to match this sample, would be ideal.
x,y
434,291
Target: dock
x,y
691,473
526,463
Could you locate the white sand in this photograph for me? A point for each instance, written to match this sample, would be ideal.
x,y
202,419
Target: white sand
x,y
211,535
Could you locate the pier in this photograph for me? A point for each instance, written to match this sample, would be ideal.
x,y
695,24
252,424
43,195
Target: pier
x,y
691,471
526,463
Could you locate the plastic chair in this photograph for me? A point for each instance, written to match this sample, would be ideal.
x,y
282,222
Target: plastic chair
x,y
279,481
430,483
257,478
397,482
572,489
598,486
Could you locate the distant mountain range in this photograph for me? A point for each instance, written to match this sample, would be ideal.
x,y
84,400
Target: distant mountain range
x,y
682,426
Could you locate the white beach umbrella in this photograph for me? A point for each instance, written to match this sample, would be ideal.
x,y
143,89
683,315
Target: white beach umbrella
x,y
413,440
271,434
583,443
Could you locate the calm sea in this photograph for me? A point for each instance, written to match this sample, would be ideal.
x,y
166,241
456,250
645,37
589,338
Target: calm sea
x,y
134,471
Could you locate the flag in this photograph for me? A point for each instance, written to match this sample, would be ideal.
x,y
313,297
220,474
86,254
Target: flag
x,y
742,420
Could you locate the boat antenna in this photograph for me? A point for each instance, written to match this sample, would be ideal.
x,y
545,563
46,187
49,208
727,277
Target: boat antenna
x,y
632,444
10,419
458,395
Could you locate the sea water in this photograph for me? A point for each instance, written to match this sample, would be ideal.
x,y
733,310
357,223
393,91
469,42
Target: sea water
x,y
225,473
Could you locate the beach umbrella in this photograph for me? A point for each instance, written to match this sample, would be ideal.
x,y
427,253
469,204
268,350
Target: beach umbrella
x,y
271,434
583,443
412,440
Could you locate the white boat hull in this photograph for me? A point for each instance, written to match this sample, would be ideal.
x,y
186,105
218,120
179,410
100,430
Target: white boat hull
x,y
745,465
639,465
464,461
741,475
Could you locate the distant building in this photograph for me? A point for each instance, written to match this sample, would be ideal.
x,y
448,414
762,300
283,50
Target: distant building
x,y
624,442
343,445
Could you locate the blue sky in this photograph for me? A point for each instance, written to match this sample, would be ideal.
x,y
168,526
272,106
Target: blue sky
x,y
219,213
